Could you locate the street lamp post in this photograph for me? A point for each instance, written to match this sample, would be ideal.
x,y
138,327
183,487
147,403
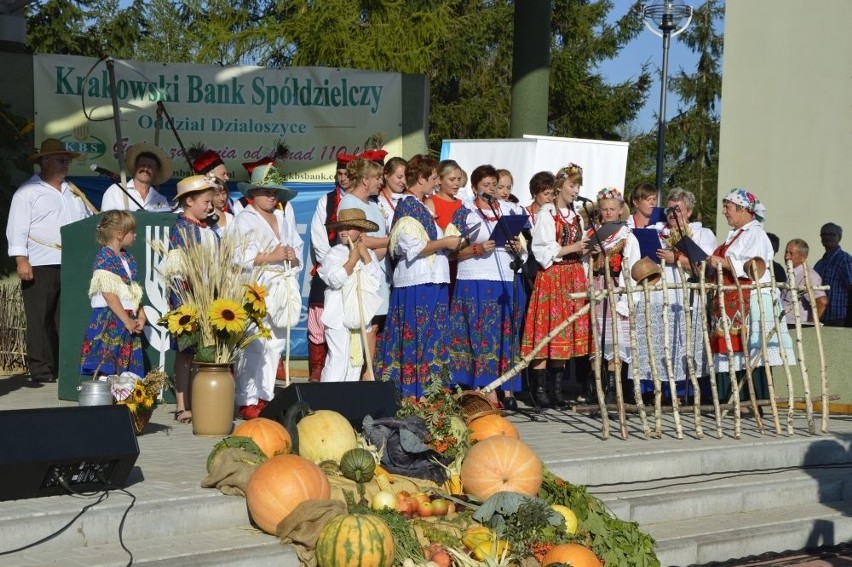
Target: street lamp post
x,y
670,18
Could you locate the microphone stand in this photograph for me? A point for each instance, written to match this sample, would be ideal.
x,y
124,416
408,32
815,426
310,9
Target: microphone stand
x,y
120,185
517,261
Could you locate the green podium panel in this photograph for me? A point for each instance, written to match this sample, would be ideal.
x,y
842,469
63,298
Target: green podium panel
x,y
79,247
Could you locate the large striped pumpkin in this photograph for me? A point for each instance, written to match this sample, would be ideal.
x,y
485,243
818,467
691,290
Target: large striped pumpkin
x,y
355,540
280,484
501,464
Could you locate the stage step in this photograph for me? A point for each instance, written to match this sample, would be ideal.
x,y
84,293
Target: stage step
x,y
718,538
235,547
204,526
709,503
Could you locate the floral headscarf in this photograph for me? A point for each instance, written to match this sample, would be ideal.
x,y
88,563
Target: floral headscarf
x,y
610,193
748,201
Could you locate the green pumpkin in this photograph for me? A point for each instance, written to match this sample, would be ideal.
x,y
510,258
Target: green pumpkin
x,y
355,540
358,465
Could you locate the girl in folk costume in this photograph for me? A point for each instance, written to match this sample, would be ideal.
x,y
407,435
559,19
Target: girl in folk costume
x,y
269,239
393,187
486,311
612,244
194,196
558,244
353,276
416,338
113,338
542,190
445,202
747,251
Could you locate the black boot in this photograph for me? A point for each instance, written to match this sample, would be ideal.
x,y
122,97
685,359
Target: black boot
x,y
554,388
610,388
538,378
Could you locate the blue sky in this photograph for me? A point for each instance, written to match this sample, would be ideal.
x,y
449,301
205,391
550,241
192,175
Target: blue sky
x,y
648,48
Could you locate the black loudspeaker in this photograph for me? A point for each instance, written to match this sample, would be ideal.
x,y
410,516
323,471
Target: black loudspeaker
x,y
353,400
44,451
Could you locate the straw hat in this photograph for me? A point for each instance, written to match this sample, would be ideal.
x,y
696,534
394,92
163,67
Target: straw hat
x,y
194,184
646,269
755,268
353,218
51,147
262,177
165,170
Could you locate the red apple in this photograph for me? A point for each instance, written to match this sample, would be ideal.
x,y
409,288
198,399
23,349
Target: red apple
x,y
424,509
440,506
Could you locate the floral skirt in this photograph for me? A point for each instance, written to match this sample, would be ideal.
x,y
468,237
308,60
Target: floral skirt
x,y
485,322
109,344
548,307
416,337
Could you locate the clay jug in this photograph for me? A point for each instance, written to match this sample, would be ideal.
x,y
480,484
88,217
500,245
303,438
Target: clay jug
x,y
213,399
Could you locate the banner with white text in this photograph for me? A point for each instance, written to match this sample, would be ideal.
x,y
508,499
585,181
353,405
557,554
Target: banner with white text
x,y
243,113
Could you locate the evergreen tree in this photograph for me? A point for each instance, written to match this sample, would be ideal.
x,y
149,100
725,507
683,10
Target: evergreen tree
x,y
693,144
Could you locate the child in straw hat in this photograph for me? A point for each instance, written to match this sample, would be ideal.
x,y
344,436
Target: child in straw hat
x,y
352,274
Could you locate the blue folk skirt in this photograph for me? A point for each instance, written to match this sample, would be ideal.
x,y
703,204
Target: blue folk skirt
x,y
108,347
486,318
416,337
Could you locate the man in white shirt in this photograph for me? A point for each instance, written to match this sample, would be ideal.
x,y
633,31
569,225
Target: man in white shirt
x,y
40,207
150,166
796,252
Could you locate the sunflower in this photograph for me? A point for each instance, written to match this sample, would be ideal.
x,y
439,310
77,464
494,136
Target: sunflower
x,y
255,298
227,315
182,320
138,395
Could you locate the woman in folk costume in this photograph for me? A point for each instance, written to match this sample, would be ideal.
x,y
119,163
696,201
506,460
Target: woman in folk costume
x,y
612,246
365,177
558,244
270,239
746,252
112,344
194,197
674,236
353,275
416,338
488,303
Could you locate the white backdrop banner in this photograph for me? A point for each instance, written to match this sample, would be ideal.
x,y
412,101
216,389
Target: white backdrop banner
x,y
604,163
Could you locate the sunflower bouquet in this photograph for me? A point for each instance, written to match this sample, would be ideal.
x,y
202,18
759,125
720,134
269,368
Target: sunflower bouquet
x,y
220,306
138,395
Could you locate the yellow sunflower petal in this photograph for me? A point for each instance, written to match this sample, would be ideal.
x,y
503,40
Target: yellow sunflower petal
x,y
227,315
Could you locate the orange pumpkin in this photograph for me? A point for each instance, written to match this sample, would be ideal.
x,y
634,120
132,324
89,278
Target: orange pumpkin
x,y
268,434
501,464
487,426
572,554
279,485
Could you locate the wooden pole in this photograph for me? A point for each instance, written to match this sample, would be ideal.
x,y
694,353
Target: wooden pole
x,y
823,371
689,340
667,357
711,366
634,359
368,356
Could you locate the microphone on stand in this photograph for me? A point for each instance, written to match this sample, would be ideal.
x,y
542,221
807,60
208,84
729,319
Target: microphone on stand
x,y
671,210
487,197
105,172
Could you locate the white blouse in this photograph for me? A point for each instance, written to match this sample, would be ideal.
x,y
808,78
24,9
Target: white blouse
x,y
494,265
408,239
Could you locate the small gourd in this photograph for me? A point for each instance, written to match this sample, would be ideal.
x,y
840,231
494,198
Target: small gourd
x,y
358,464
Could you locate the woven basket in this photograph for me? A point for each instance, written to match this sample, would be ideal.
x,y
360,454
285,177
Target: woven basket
x,y
140,418
475,405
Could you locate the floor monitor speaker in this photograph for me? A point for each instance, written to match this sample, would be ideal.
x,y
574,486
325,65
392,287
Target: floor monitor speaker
x,y
46,451
353,400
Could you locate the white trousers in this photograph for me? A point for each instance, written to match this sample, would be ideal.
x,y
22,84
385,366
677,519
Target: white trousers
x,y
337,364
256,368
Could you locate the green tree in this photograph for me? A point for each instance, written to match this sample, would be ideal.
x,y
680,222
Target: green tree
x,y
582,104
93,28
693,141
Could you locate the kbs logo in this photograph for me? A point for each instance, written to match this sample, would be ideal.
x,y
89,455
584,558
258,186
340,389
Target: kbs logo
x,y
90,147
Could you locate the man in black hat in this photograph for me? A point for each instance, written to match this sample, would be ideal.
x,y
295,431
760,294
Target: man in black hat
x,y
40,207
